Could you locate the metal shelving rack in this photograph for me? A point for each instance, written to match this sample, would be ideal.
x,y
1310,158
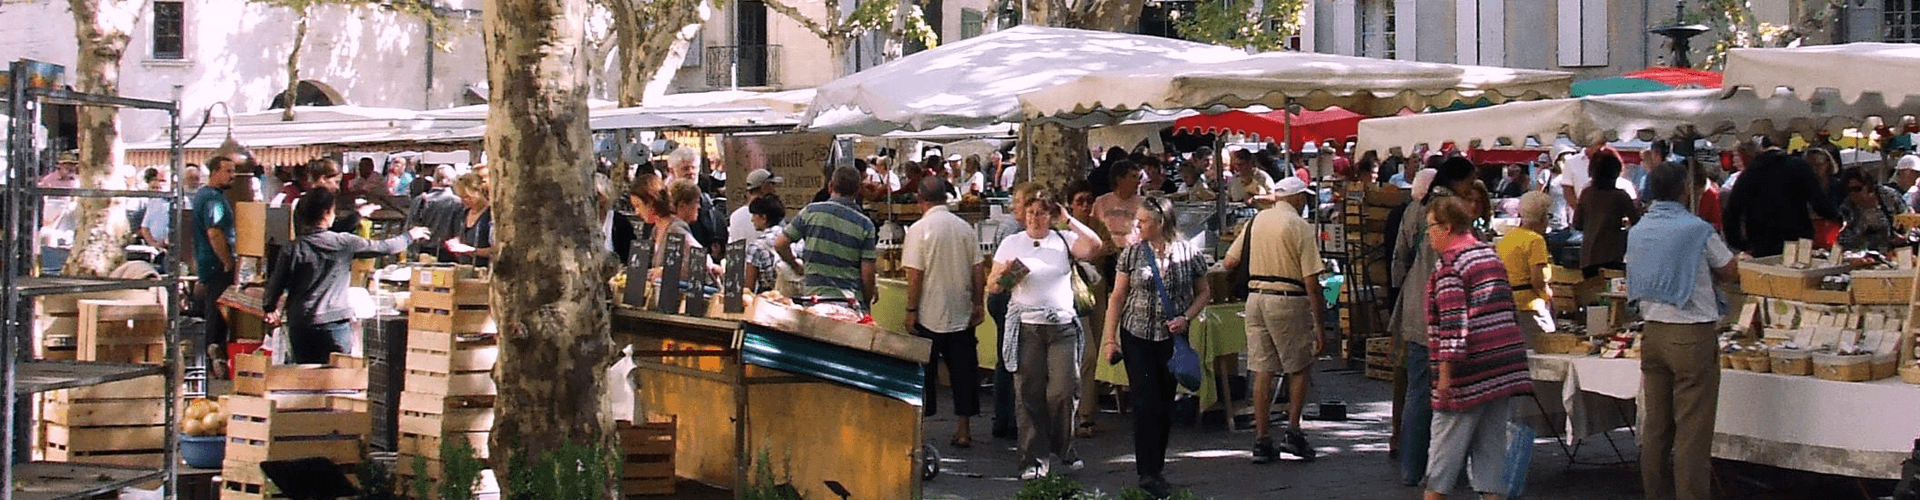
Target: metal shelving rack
x,y
22,376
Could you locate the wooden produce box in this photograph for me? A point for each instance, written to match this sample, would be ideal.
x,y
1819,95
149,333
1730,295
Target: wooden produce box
x,y
448,364
646,452
1380,358
258,430
426,419
1892,286
119,423
255,375
460,319
126,331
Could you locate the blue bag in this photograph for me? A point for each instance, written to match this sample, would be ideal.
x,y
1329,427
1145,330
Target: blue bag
x,y
1185,363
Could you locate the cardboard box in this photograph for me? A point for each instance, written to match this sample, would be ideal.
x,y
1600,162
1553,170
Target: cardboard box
x,y
250,229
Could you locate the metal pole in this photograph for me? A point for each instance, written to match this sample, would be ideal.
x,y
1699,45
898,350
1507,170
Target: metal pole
x,y
18,148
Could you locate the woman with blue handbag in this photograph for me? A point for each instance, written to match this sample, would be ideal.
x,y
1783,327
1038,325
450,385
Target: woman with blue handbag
x,y
1159,286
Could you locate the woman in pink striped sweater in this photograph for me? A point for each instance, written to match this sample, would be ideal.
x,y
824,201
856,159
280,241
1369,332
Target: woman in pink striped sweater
x,y
1479,357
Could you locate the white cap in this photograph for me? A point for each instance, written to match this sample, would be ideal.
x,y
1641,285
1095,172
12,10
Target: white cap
x,y
1289,186
954,157
762,177
1908,162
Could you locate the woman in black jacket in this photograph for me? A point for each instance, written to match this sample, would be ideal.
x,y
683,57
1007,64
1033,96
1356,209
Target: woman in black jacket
x,y
312,273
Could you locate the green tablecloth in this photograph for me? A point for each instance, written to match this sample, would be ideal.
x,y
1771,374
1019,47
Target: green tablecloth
x,y
891,313
1219,331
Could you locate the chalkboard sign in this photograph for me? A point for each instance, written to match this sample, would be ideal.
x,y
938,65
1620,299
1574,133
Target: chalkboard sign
x,y
734,279
673,259
639,259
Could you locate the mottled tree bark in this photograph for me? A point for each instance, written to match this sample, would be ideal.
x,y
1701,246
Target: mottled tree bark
x,y
646,32
549,269
302,12
102,28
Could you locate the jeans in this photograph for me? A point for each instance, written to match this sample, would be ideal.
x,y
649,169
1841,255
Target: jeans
x,y
1004,422
1152,400
313,344
1416,420
963,371
1474,440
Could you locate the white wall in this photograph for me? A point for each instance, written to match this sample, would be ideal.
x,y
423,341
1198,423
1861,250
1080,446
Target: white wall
x,y
236,53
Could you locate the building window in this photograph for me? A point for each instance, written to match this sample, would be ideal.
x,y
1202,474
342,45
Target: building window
x,y
1902,21
1480,32
169,30
972,23
1377,23
1583,33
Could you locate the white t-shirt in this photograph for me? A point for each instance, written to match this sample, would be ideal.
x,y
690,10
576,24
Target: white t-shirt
x,y
1046,293
976,183
740,225
1574,174
1702,306
1243,188
1006,176
943,247
891,180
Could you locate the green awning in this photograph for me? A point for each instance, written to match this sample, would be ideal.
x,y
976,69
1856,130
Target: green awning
x,y
884,375
1618,85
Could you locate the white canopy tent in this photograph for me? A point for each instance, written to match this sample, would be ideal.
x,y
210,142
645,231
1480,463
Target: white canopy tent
x,y
1853,69
1619,116
973,83
1376,87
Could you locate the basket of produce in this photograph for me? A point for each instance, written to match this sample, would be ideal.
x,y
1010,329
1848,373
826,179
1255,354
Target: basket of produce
x,y
203,434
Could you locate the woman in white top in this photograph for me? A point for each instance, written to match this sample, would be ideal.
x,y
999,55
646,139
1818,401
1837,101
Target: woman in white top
x,y
1043,338
976,180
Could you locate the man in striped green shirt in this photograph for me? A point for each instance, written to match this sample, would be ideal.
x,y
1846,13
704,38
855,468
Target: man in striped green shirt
x,y
839,244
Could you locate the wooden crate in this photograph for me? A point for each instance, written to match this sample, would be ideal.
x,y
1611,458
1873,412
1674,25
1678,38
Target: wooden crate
x,y
127,331
436,415
468,384
255,375
448,287
646,452
118,423
259,431
459,319
428,445
245,481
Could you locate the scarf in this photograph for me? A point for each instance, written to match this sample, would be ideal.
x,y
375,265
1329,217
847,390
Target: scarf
x,y
1664,253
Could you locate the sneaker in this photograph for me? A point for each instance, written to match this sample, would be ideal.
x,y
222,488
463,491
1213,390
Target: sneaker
x,y
1156,485
1263,451
1035,471
1296,445
1077,465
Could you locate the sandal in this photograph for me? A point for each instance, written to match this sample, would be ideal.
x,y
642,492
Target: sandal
x,y
1084,430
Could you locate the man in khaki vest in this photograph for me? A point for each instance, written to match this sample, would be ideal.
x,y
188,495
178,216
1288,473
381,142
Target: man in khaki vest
x,y
1285,311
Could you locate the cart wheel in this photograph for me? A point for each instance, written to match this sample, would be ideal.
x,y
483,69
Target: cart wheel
x,y
929,462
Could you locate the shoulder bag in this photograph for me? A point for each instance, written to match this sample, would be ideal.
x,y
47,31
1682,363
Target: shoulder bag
x,y
1083,276
1185,362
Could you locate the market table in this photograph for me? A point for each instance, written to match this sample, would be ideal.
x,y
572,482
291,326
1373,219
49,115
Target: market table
x,y
1855,429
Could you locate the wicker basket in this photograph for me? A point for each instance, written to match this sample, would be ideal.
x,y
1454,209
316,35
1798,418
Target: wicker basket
x,y
1765,277
1726,361
1910,374
1882,287
1759,362
1883,367
1792,361
1856,368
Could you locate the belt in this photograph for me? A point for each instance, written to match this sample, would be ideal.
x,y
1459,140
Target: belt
x,y
1279,293
1518,288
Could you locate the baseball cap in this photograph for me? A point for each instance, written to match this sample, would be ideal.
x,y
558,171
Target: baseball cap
x,y
953,157
1908,162
70,156
1290,186
762,177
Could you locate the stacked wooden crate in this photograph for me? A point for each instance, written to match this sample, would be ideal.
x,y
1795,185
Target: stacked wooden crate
x,y
290,412
1380,358
1572,290
1365,211
448,387
121,423
646,453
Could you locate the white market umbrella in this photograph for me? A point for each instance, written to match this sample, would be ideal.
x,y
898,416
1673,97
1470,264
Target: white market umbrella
x,y
1619,115
1888,69
973,83
1375,87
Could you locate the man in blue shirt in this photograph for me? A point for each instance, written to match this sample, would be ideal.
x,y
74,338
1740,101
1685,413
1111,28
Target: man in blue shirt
x,y
213,250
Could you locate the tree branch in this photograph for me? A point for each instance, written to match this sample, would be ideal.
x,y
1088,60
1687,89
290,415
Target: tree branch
x,y
819,30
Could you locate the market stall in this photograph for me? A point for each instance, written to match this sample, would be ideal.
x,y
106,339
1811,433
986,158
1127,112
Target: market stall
x,y
1809,69
814,400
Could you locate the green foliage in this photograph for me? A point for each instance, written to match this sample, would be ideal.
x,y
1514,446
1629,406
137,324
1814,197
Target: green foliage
x,y
1237,23
1735,26
571,472
461,468
421,485
877,15
765,485
376,483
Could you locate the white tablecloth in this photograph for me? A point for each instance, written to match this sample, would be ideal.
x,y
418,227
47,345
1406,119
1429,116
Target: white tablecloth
x,y
1860,429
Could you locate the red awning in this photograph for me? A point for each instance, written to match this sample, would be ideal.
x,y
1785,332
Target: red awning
x,y
1504,156
1680,78
1315,126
